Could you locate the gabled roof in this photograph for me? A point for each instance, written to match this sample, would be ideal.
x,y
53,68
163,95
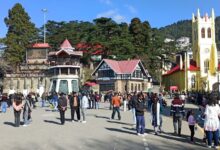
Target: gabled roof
x,y
122,67
66,45
67,48
192,67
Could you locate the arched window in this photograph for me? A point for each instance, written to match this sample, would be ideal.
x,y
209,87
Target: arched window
x,y
206,66
193,81
209,33
203,32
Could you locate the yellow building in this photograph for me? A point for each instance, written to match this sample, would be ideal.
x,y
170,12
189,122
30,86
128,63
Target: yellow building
x,y
196,70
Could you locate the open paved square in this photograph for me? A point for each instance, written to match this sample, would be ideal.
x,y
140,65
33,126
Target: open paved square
x,y
99,133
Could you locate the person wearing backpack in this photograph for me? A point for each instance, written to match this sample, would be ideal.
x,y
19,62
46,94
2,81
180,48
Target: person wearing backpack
x,y
62,106
178,112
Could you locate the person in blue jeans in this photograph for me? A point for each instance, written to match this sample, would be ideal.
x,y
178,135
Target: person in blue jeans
x,y
140,109
55,101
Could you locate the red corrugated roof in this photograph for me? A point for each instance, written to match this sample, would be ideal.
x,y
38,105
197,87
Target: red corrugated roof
x,y
122,67
66,44
40,45
192,67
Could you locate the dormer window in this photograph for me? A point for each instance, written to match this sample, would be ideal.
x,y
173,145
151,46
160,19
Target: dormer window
x,y
203,32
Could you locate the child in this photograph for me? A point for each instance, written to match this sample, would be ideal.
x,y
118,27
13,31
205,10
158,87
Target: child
x,y
191,121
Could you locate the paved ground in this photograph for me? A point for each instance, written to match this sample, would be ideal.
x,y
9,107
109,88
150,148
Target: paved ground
x,y
46,133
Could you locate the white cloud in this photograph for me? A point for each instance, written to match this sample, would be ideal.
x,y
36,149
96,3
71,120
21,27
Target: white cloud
x,y
114,15
131,8
107,2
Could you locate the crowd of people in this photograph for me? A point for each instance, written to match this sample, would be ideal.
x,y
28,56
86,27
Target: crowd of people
x,y
137,103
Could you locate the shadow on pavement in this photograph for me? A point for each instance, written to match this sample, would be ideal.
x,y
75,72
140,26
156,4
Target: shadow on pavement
x,y
9,124
103,117
120,130
182,138
118,122
66,119
53,122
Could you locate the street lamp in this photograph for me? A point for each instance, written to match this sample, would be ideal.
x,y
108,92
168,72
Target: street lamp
x,y
44,11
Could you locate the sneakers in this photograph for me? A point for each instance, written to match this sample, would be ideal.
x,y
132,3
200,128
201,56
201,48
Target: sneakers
x,y
73,121
216,147
83,121
143,135
25,125
209,146
138,134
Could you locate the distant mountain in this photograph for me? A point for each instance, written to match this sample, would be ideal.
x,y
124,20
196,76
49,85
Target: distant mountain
x,y
184,28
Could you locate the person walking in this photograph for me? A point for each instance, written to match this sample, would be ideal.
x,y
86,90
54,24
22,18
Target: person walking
x,y
18,106
191,121
178,112
62,106
155,114
211,124
84,106
140,108
116,103
75,106
26,112
133,101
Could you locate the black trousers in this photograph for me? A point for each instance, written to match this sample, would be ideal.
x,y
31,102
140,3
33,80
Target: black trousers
x,y
17,118
192,130
73,110
62,116
116,109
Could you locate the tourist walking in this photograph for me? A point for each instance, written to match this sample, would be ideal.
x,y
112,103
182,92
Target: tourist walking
x,y
27,112
211,124
75,106
133,105
84,106
191,121
116,103
18,106
140,108
62,106
178,112
155,114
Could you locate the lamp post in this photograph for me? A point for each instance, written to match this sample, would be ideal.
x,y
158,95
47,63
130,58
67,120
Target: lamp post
x,y
44,12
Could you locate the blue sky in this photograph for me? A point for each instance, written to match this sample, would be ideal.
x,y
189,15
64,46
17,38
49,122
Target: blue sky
x,y
158,12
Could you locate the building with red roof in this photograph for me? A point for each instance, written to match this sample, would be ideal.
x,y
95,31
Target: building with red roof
x,y
122,76
197,70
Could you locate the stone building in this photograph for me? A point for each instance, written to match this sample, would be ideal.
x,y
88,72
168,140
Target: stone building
x,y
122,76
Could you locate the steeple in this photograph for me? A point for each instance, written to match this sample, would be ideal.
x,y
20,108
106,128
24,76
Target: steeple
x,y
198,14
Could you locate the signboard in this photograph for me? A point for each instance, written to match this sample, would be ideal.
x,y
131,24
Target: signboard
x,y
36,54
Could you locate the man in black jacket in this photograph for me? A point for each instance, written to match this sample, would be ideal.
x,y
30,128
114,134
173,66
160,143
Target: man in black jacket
x,y
140,109
75,106
62,106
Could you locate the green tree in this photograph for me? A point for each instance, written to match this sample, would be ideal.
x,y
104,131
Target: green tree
x,y
21,32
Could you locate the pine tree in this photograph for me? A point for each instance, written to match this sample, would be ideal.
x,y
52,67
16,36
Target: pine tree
x,y
21,32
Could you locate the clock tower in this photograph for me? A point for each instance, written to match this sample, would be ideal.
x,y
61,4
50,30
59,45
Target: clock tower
x,y
204,50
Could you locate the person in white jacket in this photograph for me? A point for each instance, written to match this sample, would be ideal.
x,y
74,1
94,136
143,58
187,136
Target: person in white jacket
x,y
84,106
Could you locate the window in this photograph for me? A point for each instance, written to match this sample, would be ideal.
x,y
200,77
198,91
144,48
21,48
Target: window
x,y
105,73
54,84
206,66
107,87
64,71
209,33
139,87
63,87
193,81
132,87
75,86
203,32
